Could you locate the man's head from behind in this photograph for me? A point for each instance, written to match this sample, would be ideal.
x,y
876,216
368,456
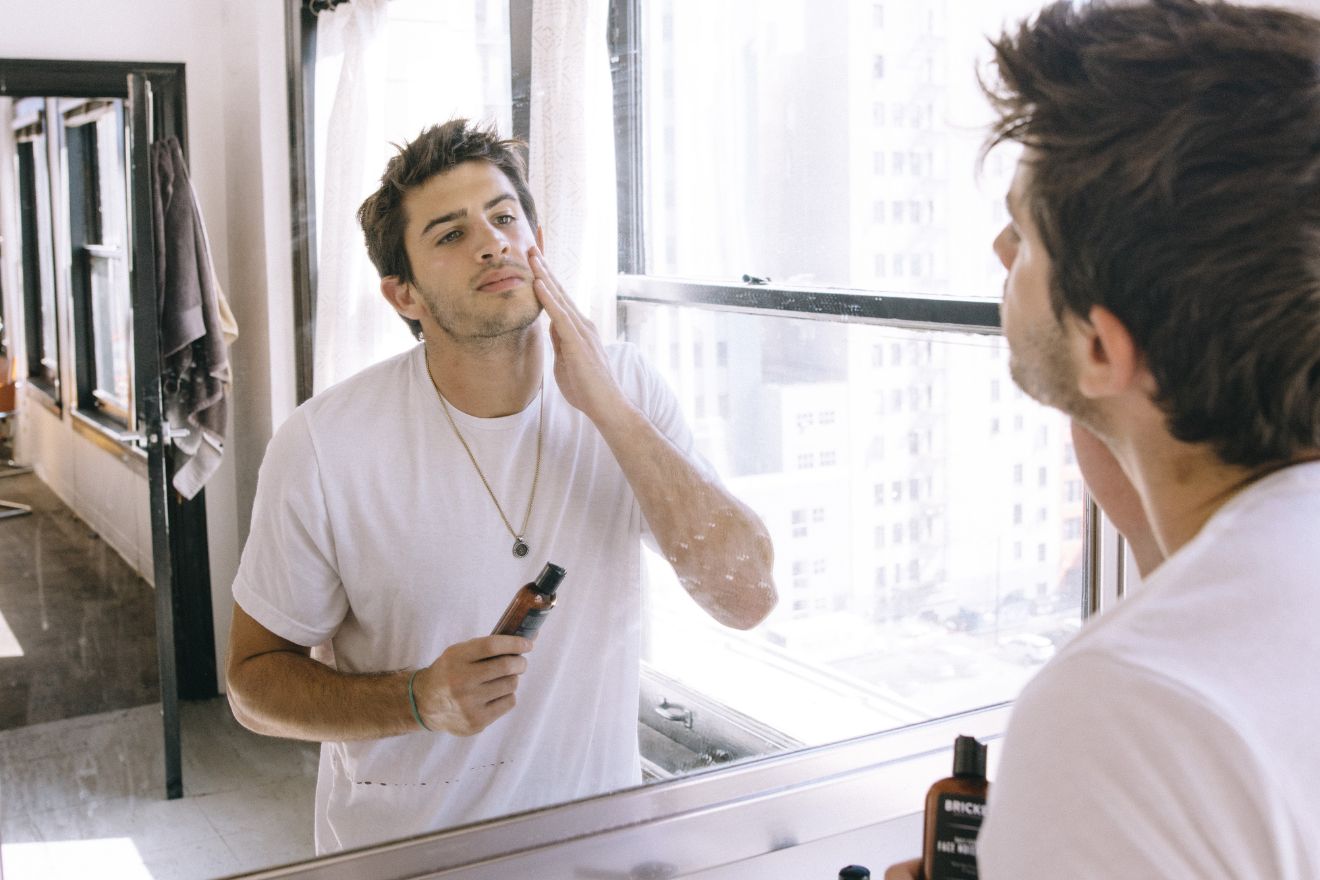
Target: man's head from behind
x,y
1174,181
436,150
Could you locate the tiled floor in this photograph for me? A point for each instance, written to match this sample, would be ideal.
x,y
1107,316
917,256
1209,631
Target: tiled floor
x,y
84,798
81,745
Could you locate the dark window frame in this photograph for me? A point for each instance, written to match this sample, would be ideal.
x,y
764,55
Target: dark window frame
x,y
36,223
86,242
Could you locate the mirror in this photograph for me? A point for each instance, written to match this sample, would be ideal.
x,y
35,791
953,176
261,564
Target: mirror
x,y
926,517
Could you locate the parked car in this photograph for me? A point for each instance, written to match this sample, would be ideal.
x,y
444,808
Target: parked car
x,y
1029,649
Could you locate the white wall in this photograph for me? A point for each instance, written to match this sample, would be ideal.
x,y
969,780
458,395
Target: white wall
x,y
233,54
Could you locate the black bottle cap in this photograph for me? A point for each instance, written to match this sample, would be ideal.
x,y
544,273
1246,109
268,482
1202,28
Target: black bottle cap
x,y
548,580
968,757
855,872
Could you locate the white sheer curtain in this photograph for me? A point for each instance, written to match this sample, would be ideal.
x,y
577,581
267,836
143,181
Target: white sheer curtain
x,y
355,327
572,151
379,83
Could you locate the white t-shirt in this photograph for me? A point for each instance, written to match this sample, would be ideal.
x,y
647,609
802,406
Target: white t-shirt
x,y
1176,736
373,538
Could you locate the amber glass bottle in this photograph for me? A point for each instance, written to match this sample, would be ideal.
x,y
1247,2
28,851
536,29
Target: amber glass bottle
x,y
955,807
531,604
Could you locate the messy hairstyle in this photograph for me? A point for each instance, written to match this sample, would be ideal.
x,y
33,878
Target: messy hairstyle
x,y
436,150
1175,158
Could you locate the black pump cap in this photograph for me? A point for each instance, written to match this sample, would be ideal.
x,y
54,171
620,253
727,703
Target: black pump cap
x,y
855,872
968,757
548,580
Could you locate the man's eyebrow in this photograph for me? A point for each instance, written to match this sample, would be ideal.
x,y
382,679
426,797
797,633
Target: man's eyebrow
x,y
461,212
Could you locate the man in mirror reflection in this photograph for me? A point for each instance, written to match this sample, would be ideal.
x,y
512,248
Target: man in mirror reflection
x,y
399,511
1163,289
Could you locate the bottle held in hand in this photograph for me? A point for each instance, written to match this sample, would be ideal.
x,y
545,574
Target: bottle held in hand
x,y
531,604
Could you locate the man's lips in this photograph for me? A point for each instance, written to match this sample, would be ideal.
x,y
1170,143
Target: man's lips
x,y
502,281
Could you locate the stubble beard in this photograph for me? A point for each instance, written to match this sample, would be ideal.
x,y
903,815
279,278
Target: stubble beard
x,y
505,324
1039,363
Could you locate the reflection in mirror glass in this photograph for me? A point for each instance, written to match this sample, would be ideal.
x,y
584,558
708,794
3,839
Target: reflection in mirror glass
x,y
926,517
822,143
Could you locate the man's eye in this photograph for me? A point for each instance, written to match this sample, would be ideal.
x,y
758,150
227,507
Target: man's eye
x,y
505,219
451,235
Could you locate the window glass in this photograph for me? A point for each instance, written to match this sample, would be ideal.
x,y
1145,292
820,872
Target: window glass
x,y
822,144
112,313
37,257
441,60
910,600
98,235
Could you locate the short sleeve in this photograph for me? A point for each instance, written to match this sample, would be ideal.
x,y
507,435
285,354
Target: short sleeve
x,y
288,580
1110,770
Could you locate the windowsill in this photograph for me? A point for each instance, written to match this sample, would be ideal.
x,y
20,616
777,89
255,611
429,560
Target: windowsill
x,y
697,822
43,394
105,433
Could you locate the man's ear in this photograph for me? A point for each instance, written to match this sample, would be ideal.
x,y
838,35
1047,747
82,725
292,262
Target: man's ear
x,y
1108,362
399,294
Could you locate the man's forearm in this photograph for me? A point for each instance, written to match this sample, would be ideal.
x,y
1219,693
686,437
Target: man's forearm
x,y
718,546
289,695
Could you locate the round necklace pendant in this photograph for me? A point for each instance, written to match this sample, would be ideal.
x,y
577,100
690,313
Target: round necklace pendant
x,y
519,548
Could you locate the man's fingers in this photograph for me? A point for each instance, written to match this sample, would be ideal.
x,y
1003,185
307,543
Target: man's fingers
x,y
904,871
550,289
486,647
499,688
501,667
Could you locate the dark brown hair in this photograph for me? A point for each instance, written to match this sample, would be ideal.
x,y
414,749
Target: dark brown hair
x,y
1176,182
436,150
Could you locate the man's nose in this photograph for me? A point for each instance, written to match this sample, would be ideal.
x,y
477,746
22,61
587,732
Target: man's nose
x,y
492,243
1003,247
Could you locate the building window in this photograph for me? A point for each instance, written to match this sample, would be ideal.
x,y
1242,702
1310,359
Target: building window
x,y
781,365
98,234
36,245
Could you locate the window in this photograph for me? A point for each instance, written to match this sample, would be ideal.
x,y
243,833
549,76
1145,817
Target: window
x,y
98,237
919,411
36,232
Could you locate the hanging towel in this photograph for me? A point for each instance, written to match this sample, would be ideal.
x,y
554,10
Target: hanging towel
x,y
196,326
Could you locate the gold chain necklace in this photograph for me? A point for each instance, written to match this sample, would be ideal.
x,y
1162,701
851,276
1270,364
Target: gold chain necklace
x,y
519,545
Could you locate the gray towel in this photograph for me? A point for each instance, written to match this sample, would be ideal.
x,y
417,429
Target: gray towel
x,y
195,324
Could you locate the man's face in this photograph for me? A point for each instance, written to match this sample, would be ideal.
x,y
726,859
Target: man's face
x,y
1040,359
467,239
